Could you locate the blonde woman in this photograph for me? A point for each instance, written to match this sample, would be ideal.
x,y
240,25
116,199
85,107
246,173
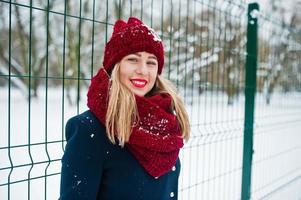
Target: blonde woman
x,y
126,146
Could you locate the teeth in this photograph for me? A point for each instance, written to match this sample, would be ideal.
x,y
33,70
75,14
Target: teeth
x,y
139,83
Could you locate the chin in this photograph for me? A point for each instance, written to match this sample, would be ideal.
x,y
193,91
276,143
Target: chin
x,y
139,94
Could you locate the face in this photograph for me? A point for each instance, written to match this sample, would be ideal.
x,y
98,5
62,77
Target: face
x,y
138,72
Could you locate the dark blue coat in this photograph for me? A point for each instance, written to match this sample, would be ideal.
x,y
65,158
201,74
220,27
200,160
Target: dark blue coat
x,y
94,168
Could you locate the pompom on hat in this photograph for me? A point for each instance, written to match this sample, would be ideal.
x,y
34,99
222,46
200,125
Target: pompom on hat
x,y
131,37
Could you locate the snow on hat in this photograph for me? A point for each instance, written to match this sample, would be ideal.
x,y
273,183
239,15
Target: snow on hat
x,y
132,37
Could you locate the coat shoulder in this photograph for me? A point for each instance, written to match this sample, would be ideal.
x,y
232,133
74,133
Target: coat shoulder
x,y
85,122
84,157
87,132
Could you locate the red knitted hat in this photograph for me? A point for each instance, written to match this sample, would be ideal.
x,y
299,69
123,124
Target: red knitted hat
x,y
132,37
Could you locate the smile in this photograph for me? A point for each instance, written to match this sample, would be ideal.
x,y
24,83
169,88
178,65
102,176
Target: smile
x,y
139,83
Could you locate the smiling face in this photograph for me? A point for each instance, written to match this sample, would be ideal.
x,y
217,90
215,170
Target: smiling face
x,y
138,72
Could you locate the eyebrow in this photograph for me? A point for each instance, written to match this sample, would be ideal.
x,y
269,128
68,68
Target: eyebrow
x,y
153,57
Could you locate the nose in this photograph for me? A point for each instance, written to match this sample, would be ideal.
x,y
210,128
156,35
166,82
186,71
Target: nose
x,y
141,68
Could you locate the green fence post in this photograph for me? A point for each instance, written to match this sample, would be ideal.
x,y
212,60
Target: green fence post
x,y
250,89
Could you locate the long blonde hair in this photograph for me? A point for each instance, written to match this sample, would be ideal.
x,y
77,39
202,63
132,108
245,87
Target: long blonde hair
x,y
122,108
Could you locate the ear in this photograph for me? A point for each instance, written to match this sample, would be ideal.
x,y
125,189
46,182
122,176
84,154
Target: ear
x,y
118,26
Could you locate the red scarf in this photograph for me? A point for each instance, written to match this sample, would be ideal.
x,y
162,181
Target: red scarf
x,y
156,139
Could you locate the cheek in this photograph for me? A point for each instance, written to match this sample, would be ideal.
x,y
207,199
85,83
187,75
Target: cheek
x,y
124,74
122,79
153,77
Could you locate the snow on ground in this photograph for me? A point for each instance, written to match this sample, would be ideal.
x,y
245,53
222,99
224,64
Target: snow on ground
x,y
211,161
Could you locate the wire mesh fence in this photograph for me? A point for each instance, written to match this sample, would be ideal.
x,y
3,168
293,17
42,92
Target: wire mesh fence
x,y
49,50
276,165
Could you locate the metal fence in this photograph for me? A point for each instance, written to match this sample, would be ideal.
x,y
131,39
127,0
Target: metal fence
x,y
238,70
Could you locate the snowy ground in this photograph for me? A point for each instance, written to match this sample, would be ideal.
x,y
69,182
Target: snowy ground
x,y
211,160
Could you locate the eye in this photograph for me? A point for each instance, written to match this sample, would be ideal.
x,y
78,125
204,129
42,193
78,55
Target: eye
x,y
132,59
152,63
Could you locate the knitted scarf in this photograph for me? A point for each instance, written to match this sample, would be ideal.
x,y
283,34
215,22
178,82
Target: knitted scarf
x,y
155,139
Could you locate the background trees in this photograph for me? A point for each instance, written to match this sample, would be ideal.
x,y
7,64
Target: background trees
x,y
204,42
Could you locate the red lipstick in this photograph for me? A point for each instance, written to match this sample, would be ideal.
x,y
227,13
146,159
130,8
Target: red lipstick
x,y
139,83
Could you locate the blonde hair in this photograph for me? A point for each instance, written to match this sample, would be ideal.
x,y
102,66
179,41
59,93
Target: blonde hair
x,y
122,109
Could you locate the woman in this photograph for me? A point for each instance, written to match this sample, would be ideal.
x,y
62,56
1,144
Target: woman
x,y
126,145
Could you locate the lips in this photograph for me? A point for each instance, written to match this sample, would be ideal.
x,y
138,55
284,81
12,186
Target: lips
x,y
138,83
